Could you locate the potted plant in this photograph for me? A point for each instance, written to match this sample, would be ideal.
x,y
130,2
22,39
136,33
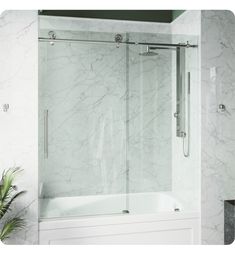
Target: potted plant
x,y
8,194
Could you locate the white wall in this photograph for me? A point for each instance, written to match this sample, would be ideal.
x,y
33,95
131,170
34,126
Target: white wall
x,y
19,126
218,136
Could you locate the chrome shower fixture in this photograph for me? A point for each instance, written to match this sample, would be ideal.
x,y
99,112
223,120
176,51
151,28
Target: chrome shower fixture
x,y
5,107
221,108
52,36
148,52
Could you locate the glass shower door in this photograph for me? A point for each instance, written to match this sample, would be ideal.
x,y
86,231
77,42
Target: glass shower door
x,y
82,132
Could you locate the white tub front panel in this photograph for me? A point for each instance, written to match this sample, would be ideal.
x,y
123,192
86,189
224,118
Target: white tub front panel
x,y
174,231
180,236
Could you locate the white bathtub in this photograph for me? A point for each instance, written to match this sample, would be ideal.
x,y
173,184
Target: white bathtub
x,y
154,218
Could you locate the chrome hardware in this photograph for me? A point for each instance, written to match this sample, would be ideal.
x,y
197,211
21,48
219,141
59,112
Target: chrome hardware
x,y
180,91
182,113
177,209
165,45
149,52
186,146
14,187
118,39
52,36
221,108
176,115
5,107
125,211
182,134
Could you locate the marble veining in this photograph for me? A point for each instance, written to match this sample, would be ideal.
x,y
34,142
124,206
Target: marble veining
x,y
218,138
19,125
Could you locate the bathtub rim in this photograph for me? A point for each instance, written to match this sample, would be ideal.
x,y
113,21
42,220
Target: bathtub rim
x,y
130,196
114,219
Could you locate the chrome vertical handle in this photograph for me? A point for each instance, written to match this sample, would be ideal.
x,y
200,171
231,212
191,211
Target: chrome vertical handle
x,y
46,133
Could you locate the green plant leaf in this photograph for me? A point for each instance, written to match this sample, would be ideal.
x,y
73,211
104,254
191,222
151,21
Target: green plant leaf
x,y
10,226
8,195
4,207
6,186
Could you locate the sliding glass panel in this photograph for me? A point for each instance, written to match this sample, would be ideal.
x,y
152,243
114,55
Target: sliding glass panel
x,y
82,108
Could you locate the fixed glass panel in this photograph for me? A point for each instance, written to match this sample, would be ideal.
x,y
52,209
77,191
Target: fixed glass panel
x,y
155,154
150,114
82,132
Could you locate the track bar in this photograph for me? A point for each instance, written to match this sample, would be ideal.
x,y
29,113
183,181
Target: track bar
x,y
185,45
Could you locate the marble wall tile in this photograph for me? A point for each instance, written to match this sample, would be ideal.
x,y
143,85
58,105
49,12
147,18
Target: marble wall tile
x,y
218,139
188,23
19,126
100,25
